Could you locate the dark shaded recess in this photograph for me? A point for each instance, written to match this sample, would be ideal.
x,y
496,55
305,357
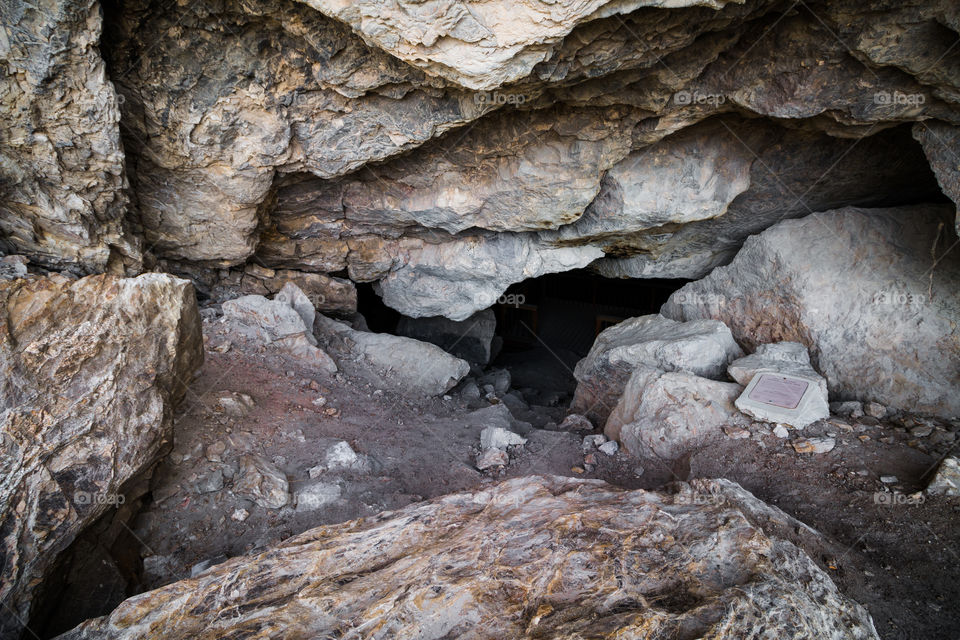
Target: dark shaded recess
x,y
549,323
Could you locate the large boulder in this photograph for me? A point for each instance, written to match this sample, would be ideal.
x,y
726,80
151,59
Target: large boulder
x,y
89,373
667,415
392,361
286,322
701,348
533,557
880,314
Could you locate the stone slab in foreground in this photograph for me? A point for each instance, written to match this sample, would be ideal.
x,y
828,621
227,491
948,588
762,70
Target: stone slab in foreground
x,y
533,557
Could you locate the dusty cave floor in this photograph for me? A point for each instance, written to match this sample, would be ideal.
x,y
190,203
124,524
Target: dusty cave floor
x,y
897,557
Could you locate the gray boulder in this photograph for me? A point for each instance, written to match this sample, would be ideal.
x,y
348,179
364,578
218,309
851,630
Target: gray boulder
x,y
402,363
672,413
882,324
703,348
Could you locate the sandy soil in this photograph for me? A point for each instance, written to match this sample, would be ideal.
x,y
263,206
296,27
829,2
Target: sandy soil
x,y
898,559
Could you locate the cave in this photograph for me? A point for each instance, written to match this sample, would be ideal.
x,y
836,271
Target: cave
x,y
479,319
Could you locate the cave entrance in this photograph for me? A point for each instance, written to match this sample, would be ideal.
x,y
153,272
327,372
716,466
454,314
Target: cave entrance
x,y
548,324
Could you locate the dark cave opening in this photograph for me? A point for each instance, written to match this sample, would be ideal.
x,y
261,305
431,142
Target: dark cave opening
x,y
547,324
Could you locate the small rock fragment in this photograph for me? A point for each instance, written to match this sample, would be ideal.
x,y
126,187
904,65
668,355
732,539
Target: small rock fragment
x,y
593,441
946,482
814,445
609,448
781,431
875,410
575,422
889,479
240,515
499,438
317,495
492,458
737,433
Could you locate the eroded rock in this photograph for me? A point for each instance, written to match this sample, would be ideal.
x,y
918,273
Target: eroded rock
x,y
90,370
711,550
881,320
701,348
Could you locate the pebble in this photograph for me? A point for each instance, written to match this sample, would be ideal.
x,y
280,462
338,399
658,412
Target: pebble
x,y
591,442
492,458
589,459
875,410
609,448
922,431
781,431
888,479
737,433
576,469
215,451
814,445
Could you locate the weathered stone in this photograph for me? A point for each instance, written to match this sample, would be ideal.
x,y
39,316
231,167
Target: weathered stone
x,y
340,456
672,414
63,196
576,423
939,141
490,458
286,322
880,323
402,363
814,445
318,495
89,372
875,410
701,348
946,482
500,438
260,481
470,339
442,565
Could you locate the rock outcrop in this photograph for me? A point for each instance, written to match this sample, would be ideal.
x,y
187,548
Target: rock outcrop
x,y
89,373
871,292
528,558
62,180
701,348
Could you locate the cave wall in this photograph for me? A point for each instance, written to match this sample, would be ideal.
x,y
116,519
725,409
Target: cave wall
x,y
444,152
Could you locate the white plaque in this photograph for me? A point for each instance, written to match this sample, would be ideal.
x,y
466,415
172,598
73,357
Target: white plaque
x,y
779,391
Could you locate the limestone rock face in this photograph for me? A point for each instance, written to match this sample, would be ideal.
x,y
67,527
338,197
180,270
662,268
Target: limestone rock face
x,y
939,141
61,160
531,557
700,348
481,45
859,287
260,87
89,373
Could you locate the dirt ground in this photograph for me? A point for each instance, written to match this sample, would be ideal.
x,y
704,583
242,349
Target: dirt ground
x,y
894,554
